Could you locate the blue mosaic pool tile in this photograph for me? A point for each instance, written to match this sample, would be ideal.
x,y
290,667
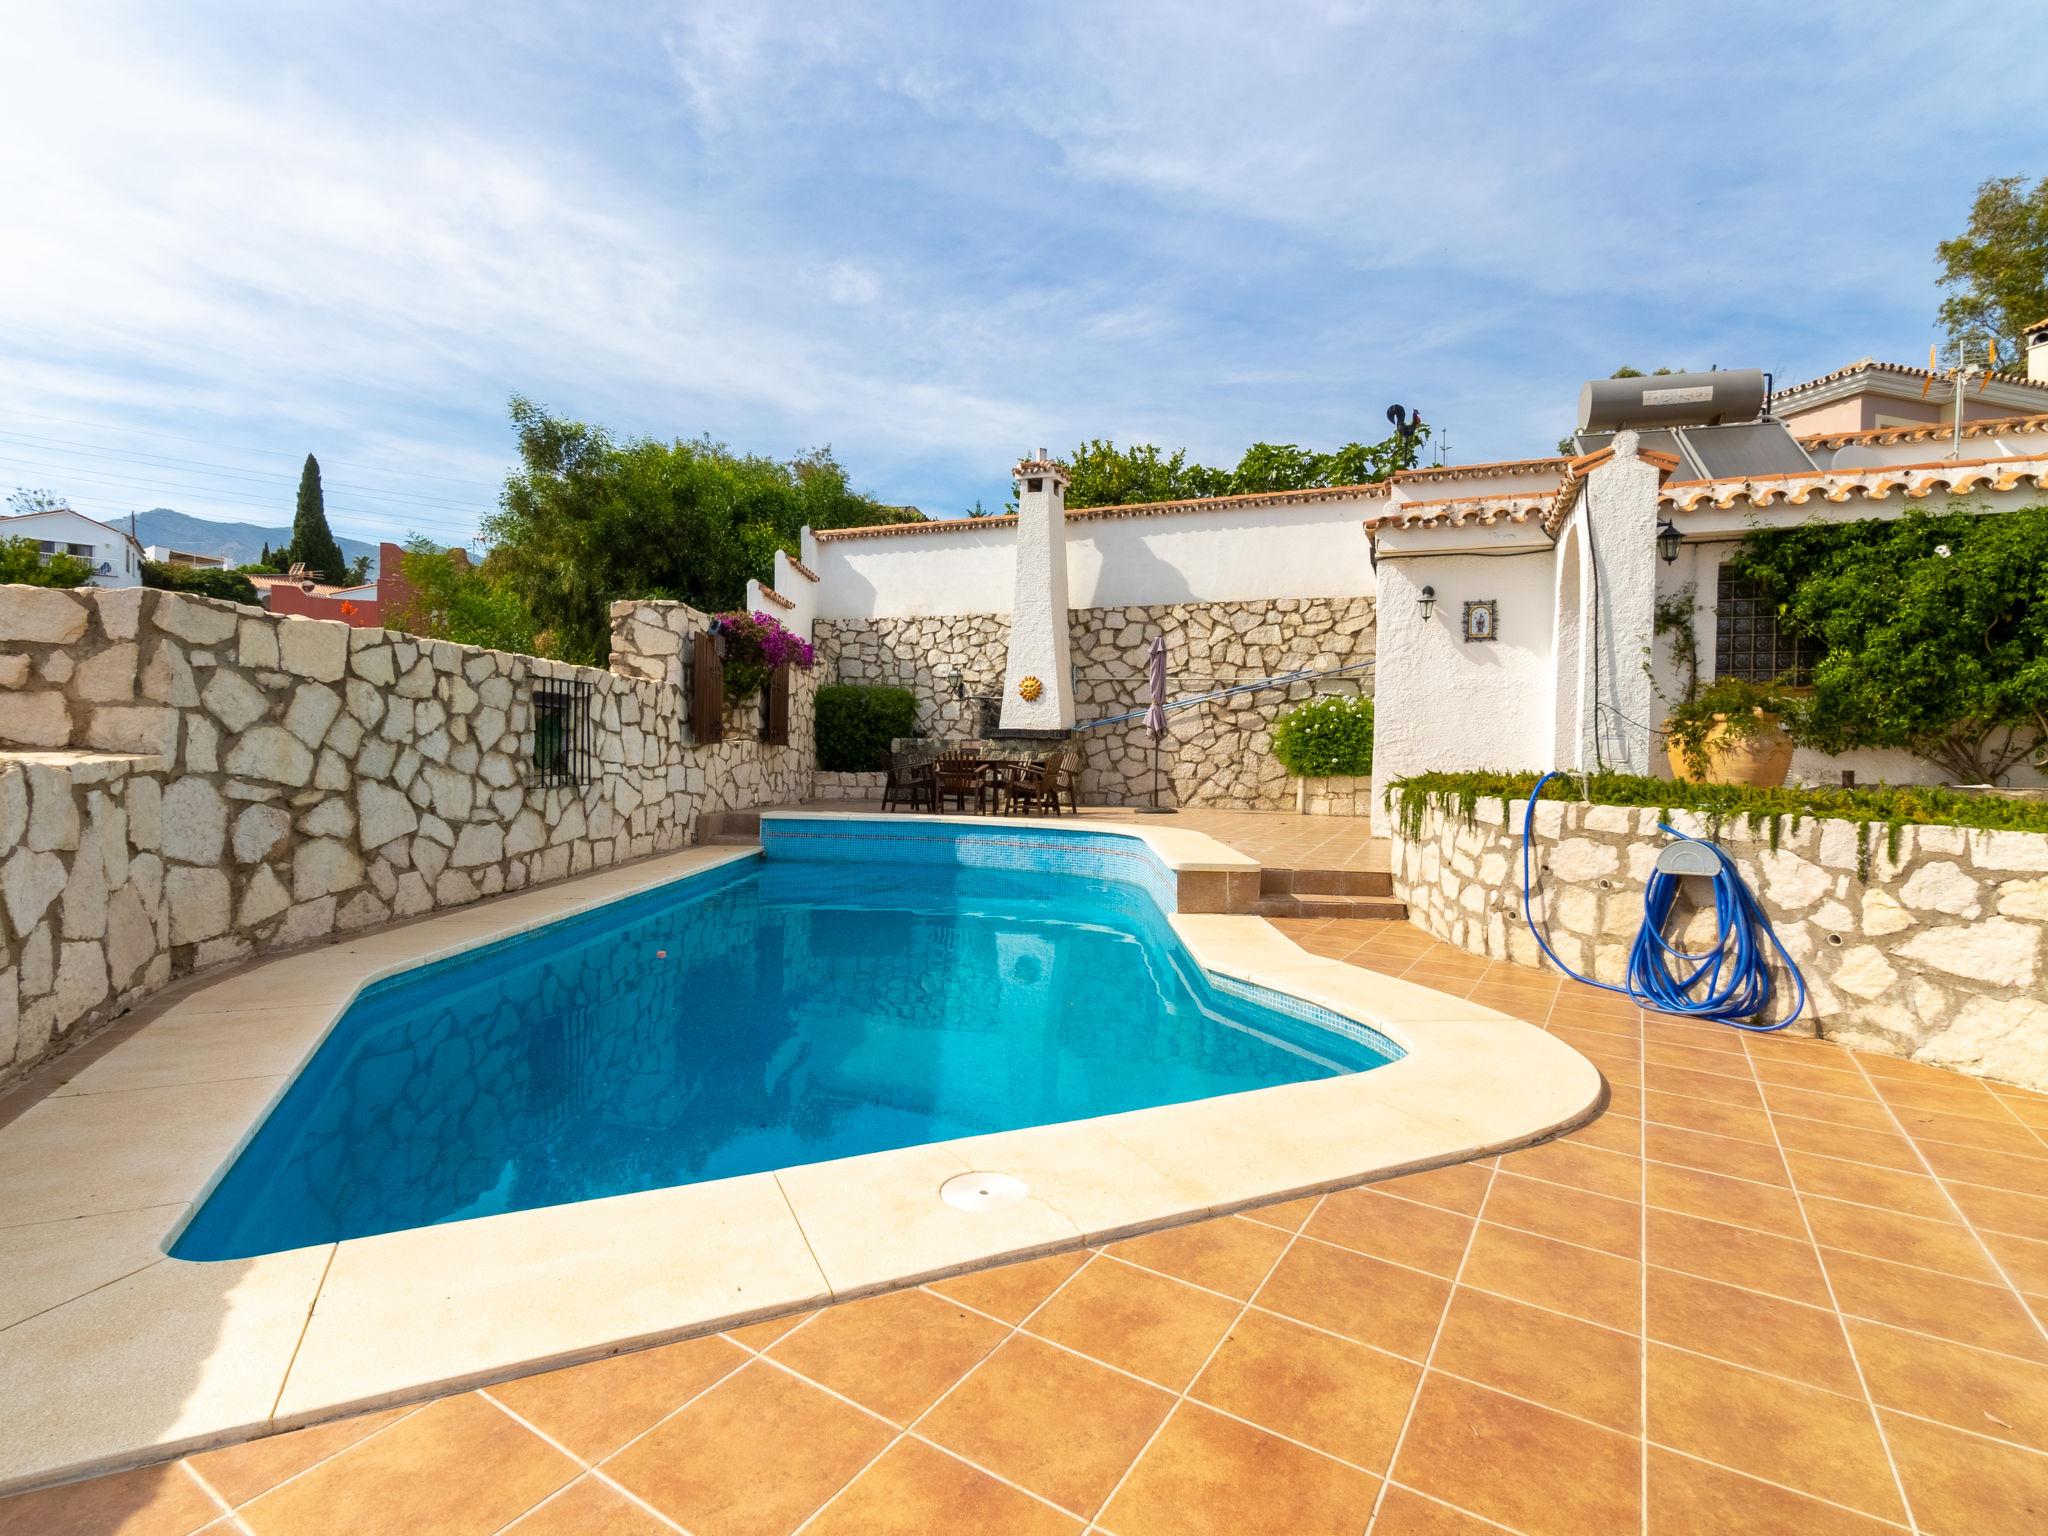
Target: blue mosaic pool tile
x,y
1307,1013
1036,850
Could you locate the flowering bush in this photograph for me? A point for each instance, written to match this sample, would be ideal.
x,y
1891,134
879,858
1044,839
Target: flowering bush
x,y
1326,738
755,645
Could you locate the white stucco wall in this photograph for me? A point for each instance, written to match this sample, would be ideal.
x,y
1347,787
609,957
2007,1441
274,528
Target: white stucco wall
x,y
116,562
1309,548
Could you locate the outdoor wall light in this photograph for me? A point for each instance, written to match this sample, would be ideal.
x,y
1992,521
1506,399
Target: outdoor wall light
x,y
1668,540
1427,601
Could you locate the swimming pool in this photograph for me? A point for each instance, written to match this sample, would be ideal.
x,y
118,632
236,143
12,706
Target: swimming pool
x,y
858,988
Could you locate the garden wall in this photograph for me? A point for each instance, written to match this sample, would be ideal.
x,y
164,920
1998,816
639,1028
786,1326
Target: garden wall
x,y
1215,754
185,783
1935,953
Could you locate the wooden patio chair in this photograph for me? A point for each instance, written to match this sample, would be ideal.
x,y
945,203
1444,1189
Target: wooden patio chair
x,y
959,775
1033,785
911,781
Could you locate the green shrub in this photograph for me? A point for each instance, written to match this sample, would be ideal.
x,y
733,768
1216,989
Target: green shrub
x,y
856,725
1325,738
229,586
1888,806
23,563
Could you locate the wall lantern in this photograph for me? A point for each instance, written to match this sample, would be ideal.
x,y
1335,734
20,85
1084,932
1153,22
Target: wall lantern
x,y
1668,540
1427,601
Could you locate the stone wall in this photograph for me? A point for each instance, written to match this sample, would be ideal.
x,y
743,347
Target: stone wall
x,y
1215,754
204,782
1936,954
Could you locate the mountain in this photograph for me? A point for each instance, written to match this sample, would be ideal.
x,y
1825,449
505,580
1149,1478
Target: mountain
x,y
241,543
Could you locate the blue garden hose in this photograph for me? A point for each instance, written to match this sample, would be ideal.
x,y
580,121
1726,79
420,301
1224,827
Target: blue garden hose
x,y
1729,984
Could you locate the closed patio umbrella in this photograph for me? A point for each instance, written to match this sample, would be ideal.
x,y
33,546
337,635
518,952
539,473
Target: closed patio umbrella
x,y
1155,711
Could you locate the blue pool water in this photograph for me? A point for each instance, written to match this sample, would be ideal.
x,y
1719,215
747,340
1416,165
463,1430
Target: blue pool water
x,y
821,1002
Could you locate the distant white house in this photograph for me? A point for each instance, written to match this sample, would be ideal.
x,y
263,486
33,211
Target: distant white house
x,y
114,554
163,554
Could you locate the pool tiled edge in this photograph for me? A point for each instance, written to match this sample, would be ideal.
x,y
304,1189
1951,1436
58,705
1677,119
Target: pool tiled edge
x,y
120,1355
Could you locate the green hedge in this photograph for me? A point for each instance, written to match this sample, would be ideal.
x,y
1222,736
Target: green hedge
x,y
1330,737
230,586
1888,806
856,725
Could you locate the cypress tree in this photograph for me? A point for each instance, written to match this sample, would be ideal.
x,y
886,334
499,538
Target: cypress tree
x,y
313,543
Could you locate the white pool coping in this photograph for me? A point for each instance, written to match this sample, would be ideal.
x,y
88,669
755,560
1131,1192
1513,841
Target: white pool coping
x,y
113,1354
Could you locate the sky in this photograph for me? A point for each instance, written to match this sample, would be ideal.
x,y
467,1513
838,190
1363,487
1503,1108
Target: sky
x,y
937,236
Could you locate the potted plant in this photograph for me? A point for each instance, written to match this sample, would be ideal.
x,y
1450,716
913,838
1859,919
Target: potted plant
x,y
1730,732
755,645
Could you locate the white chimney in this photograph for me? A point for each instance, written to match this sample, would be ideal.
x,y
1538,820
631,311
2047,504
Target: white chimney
x,y
1038,693
2037,351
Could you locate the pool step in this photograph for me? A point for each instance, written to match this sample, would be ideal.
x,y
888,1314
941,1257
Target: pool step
x,y
729,827
1326,882
1379,909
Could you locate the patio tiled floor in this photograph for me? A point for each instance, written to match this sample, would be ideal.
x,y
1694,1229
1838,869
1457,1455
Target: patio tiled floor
x,y
1777,1286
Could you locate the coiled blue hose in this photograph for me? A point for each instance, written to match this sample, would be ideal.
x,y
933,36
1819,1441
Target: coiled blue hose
x,y
1729,984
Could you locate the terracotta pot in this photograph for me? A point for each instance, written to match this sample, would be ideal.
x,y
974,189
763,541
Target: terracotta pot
x,y
1760,761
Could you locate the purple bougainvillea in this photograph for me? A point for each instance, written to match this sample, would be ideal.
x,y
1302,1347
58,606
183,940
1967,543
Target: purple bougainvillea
x,y
755,645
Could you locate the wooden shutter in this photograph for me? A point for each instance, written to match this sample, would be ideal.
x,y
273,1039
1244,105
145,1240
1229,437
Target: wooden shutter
x,y
775,719
707,690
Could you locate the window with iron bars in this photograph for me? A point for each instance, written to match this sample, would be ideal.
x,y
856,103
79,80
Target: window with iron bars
x,y
1749,640
564,735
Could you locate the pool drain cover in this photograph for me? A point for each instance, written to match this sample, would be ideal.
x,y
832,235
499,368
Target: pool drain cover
x,y
983,1191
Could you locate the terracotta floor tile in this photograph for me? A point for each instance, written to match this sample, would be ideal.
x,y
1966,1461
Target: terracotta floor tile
x,y
1910,1194
893,1354
1598,1172
1340,1397
2000,1210
240,1472
1713,1197
1457,1187
1971,1389
1560,1362
754,1456
1207,1475
1664,1052
1288,1215
2024,1260
1705,1115
1900,1068
1959,1096
1845,1081
459,1465
1598,1287
1611,1132
1406,1513
1011,1291
1140,1322
1943,1245
1063,1427
1228,1254
758,1336
1505,1459
2026,1175
1960,1485
596,1408
1739,1091
1623,1098
1573,1215
1777,1266
1591,1041
1947,1307
1420,1236
150,1501
1881,1149
1933,1127
588,1507
1802,1437
914,1490
1362,1298
1708,1152
1762,1332
1688,1496
1831,1108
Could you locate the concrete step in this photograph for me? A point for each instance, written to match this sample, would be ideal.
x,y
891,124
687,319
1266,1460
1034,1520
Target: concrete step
x,y
1326,882
724,828
1369,908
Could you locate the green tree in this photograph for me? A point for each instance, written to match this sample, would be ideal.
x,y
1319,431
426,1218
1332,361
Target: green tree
x,y
23,563
1996,271
452,599
587,520
25,499
313,543
1105,475
1936,628
229,586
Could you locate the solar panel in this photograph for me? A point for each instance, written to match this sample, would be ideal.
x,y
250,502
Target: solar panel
x,y
1750,448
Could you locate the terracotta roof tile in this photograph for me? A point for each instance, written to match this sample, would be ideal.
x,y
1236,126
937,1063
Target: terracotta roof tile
x,y
776,598
1904,370
1929,432
801,569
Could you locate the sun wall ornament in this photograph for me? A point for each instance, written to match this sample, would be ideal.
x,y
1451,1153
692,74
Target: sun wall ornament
x,y
1029,689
